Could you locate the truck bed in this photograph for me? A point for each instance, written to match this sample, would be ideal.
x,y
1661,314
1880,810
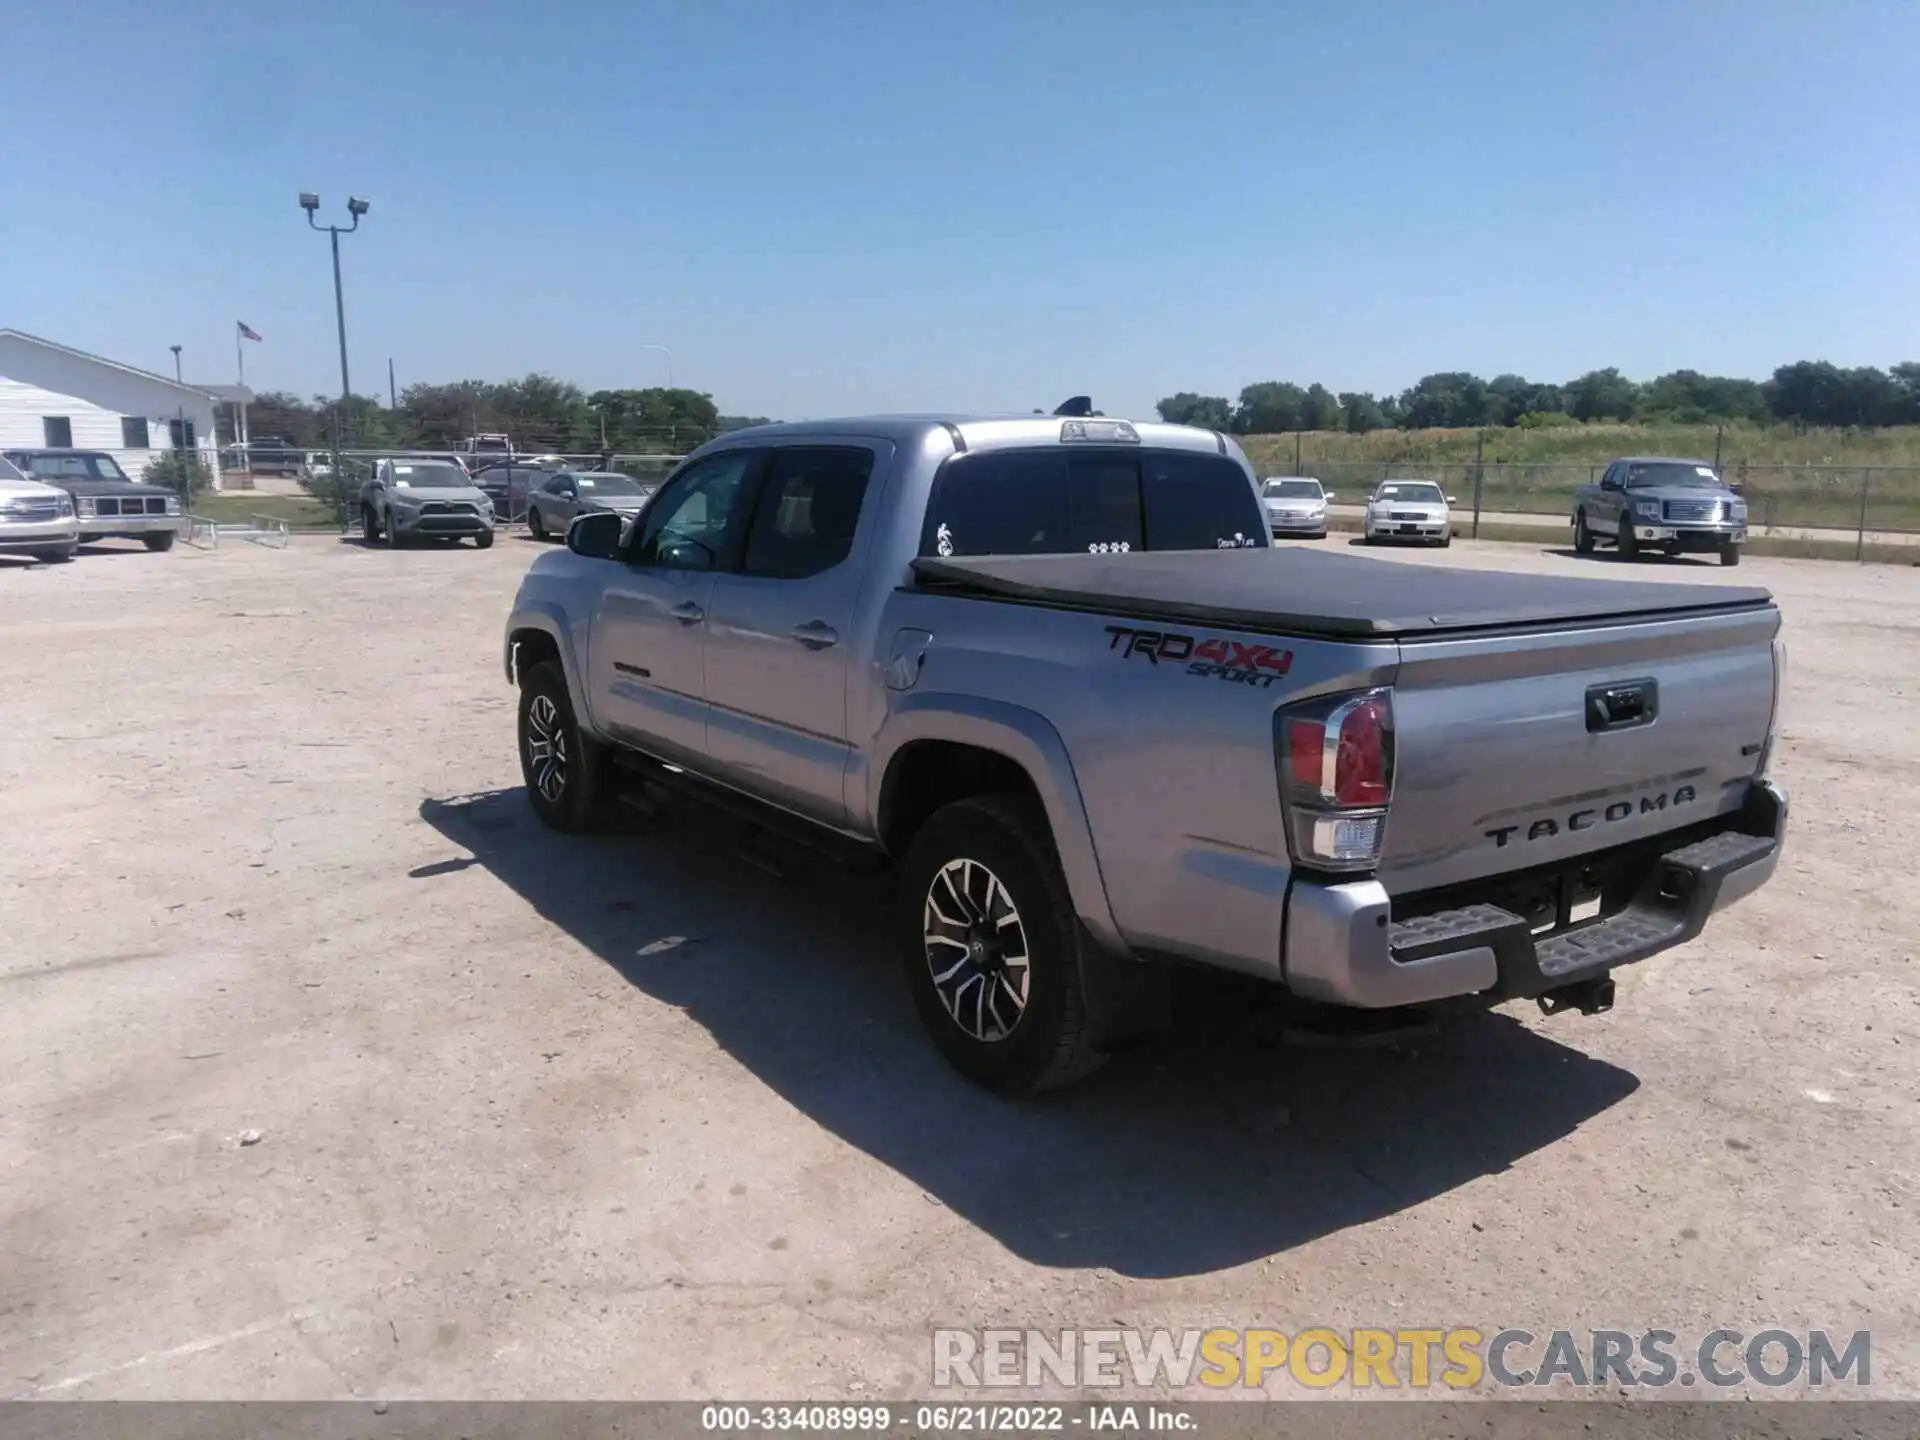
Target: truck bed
x,y
1313,594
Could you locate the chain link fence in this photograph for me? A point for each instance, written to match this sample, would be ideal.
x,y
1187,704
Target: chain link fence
x,y
1865,504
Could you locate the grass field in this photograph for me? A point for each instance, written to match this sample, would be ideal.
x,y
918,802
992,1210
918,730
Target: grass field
x,y
237,507
1813,478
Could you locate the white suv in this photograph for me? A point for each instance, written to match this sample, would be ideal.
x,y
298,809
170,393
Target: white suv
x,y
35,520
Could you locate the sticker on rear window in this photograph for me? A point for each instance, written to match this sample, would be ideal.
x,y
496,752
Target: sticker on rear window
x,y
1116,547
1237,542
943,539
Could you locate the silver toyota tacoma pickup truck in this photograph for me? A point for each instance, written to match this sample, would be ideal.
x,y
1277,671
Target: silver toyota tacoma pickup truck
x,y
1053,674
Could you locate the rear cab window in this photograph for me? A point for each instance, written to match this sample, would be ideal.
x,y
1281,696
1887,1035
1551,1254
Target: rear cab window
x,y
1054,501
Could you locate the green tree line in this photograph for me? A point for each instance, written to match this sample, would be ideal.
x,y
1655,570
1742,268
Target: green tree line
x,y
537,412
1807,392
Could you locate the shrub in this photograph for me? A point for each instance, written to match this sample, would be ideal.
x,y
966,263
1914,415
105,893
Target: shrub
x,y
181,471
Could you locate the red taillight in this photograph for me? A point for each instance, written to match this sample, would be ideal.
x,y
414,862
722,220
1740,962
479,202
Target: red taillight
x,y
1337,814
1362,774
1306,753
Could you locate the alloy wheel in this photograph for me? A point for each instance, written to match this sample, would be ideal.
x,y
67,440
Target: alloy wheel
x,y
547,748
976,948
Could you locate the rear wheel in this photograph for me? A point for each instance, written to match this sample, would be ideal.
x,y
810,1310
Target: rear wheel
x,y
1582,536
555,760
991,947
1729,554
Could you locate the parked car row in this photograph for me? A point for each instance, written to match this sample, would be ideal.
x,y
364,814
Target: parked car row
x,y
53,501
1640,505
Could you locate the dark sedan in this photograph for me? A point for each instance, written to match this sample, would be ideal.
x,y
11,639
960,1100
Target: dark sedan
x,y
108,504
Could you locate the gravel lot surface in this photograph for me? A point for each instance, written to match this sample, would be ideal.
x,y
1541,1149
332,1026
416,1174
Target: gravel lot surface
x,y
325,1072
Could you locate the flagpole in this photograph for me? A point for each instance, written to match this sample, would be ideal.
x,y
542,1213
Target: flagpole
x,y
240,360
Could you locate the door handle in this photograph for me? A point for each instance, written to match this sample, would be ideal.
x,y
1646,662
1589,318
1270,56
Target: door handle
x,y
816,635
688,613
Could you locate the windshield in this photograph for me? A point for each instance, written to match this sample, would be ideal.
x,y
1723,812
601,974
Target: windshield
x,y
598,484
1683,475
430,477
1293,490
1419,492
75,467
10,471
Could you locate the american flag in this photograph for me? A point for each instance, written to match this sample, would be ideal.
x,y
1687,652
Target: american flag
x,y
247,332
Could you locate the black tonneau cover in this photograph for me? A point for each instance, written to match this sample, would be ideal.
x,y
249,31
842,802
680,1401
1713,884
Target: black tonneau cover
x,y
1308,592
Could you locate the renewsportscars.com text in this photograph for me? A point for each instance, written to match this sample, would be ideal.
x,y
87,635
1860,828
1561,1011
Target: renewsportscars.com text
x,y
1460,1358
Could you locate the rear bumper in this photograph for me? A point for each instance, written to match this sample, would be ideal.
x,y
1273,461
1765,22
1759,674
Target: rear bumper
x,y
1343,947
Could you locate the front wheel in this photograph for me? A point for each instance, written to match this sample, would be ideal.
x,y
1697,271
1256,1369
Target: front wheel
x,y
1446,540
1629,543
392,531
536,527
369,527
1729,554
555,760
161,542
484,540
55,554
991,947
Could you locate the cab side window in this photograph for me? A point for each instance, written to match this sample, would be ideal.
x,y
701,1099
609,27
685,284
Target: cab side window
x,y
808,510
690,524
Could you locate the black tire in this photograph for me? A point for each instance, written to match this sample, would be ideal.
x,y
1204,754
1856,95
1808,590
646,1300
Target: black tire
x,y
546,717
1049,1042
1729,554
161,542
1582,536
1629,545
536,527
392,532
55,554
369,527
1446,540
484,539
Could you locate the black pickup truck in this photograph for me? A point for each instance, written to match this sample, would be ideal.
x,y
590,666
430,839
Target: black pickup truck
x,y
108,505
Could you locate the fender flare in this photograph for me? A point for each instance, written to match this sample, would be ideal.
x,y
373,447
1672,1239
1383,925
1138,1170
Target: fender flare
x,y
1029,740
551,620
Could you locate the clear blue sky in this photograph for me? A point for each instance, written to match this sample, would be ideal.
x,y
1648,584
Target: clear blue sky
x,y
905,204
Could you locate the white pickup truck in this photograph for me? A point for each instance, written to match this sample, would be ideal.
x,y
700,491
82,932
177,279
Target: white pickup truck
x,y
1052,672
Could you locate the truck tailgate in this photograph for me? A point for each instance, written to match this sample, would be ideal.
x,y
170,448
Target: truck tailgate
x,y
1522,749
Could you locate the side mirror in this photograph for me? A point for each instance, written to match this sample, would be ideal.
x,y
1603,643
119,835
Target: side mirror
x,y
1330,496
596,536
1453,500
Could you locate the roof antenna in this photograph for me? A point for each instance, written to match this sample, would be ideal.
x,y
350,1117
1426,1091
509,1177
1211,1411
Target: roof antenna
x,y
1079,406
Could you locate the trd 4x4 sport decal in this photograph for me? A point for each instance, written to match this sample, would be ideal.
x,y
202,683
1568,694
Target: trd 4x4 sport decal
x,y
1207,656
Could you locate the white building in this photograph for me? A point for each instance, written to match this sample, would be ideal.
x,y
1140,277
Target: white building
x,y
55,397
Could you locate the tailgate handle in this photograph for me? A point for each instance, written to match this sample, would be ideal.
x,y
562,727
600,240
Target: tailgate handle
x,y
1622,704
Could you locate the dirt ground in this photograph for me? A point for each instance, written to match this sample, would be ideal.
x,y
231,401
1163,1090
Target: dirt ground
x,y
630,1117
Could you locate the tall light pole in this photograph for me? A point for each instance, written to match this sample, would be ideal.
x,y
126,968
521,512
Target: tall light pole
x,y
356,207
176,365
666,352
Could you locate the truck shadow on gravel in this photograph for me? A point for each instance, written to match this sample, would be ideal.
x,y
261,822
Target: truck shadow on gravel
x,y
1206,1150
